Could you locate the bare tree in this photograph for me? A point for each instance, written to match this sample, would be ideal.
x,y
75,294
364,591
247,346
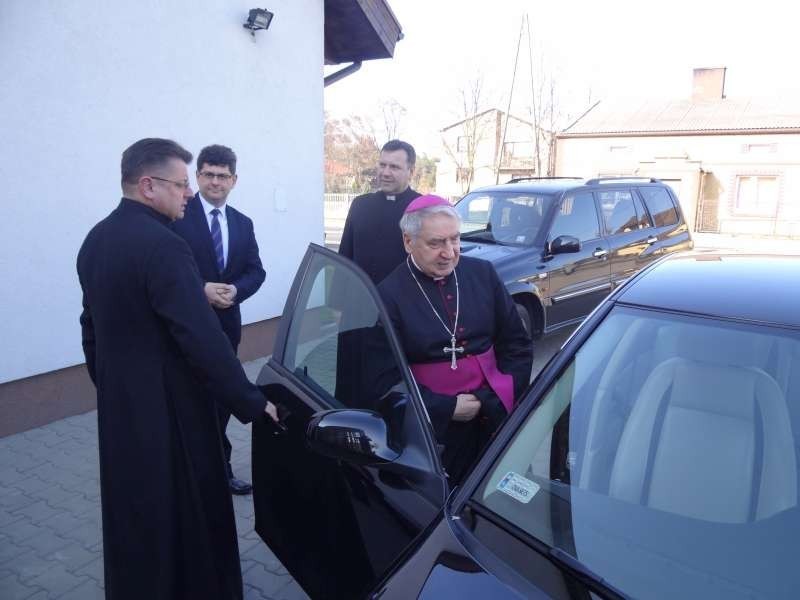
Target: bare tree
x,y
351,154
546,108
424,179
545,123
551,116
536,104
472,130
546,114
393,114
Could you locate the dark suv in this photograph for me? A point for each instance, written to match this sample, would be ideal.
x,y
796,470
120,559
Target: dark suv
x,y
562,244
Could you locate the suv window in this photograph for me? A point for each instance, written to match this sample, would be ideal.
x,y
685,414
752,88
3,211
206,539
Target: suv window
x,y
644,218
577,216
622,213
475,213
660,205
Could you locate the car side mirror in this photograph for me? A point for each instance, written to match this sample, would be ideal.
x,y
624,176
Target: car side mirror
x,y
355,436
564,244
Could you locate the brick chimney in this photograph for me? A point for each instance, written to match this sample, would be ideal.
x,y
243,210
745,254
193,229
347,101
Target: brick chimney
x,y
708,84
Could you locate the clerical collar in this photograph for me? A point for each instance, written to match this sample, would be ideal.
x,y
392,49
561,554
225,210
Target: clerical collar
x,y
394,197
416,266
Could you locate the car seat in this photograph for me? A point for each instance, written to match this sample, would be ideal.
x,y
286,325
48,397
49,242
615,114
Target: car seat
x,y
708,441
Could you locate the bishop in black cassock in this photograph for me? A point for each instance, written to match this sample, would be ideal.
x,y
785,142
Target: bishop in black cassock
x,y
494,352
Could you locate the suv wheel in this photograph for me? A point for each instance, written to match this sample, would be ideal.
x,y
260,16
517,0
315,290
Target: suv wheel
x,y
525,315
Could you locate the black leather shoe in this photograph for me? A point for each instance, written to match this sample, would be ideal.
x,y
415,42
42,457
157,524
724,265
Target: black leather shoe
x,y
239,487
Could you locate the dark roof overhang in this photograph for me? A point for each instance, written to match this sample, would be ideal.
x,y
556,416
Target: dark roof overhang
x,y
359,30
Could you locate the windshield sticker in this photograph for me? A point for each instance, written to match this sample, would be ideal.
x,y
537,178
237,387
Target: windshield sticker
x,y
518,487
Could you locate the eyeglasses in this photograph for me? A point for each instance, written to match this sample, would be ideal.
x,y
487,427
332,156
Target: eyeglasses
x,y
223,177
184,185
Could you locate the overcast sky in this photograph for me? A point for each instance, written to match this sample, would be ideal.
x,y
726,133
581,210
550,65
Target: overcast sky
x,y
604,51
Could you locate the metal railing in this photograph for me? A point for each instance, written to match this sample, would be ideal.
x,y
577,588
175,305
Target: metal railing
x,y
336,204
335,212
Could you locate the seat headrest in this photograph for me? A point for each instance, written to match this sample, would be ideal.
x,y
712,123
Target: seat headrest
x,y
723,390
714,345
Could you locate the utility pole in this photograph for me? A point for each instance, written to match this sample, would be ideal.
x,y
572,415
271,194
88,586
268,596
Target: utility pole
x,y
534,113
508,110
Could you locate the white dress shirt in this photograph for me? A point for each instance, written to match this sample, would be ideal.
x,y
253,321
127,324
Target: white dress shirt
x,y
223,223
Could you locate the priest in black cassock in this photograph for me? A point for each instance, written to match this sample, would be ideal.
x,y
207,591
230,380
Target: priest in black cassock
x,y
154,350
460,331
372,241
370,237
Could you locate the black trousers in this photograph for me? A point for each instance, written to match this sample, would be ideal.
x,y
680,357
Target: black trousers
x,y
464,441
223,416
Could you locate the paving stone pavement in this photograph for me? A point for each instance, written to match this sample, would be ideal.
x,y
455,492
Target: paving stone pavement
x,y
50,529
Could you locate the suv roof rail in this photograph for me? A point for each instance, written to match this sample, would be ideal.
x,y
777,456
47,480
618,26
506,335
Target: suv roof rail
x,y
597,180
518,179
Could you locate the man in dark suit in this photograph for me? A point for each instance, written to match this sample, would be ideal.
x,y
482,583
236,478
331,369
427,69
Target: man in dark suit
x,y
159,359
225,249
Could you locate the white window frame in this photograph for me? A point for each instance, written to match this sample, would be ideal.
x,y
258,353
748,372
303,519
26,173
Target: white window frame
x,y
758,208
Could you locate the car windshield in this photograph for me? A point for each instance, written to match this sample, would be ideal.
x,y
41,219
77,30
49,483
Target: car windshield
x,y
665,458
512,218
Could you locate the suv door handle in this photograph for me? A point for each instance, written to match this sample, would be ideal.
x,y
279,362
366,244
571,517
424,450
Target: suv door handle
x,y
599,253
652,239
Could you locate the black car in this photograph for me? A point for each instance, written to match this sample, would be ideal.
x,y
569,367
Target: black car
x,y
655,456
562,244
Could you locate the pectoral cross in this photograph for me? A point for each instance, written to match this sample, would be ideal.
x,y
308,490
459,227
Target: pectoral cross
x,y
452,351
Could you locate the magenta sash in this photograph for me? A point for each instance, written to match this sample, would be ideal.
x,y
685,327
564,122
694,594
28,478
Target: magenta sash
x,y
471,374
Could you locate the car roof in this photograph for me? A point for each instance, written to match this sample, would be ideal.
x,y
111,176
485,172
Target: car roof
x,y
752,287
541,186
560,184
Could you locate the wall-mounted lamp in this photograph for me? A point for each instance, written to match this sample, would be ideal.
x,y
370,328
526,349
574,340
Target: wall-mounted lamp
x,y
258,18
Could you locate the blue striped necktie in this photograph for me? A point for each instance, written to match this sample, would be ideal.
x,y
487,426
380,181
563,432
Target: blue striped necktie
x,y
216,237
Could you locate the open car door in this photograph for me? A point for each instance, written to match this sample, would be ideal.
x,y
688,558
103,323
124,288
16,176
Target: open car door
x,y
354,476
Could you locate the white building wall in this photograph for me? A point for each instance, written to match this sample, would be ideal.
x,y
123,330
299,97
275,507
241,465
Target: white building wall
x,y
82,80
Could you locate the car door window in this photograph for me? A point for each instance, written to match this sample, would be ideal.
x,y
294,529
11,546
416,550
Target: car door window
x,y
576,216
660,205
619,212
337,343
641,214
